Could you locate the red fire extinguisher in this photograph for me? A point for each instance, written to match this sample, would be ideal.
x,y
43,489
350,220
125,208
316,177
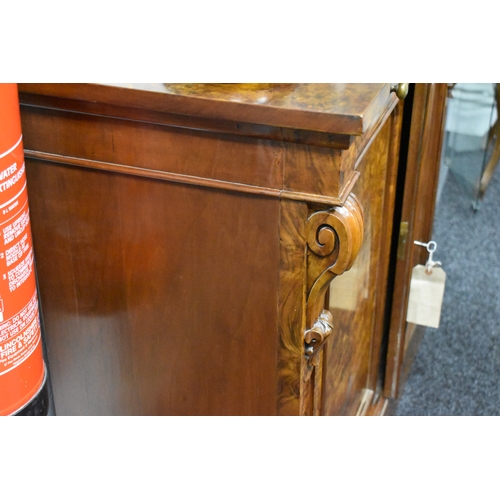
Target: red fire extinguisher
x,y
22,369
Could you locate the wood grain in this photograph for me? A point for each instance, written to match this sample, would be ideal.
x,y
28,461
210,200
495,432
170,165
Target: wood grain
x,y
338,108
291,303
386,237
181,154
419,198
224,126
355,294
155,147
333,240
179,237
150,292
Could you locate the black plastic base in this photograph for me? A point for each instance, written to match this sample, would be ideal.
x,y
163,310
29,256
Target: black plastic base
x,y
38,406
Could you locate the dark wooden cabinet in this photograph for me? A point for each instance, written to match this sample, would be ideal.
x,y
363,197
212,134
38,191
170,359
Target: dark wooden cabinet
x,y
220,249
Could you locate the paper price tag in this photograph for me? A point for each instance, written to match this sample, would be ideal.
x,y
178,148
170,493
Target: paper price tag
x,y
426,296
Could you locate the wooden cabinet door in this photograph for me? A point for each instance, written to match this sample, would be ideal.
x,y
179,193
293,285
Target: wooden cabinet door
x,y
417,187
357,299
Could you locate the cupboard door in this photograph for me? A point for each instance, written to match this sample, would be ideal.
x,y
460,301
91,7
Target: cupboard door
x,y
357,298
149,291
421,152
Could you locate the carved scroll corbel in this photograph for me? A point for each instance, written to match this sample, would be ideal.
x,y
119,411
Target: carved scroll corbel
x,y
334,238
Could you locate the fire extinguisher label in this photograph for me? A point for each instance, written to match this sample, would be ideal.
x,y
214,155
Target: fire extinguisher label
x,y
19,336
22,369
19,327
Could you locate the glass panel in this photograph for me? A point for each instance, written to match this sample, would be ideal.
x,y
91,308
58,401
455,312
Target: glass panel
x,y
470,136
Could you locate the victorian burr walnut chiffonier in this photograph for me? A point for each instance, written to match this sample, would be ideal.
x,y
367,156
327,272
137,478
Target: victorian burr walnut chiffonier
x,y
230,249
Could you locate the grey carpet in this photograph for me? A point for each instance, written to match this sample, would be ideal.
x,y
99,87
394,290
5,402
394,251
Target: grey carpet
x,y
457,368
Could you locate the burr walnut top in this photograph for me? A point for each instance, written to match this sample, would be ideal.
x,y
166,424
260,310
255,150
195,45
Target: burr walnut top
x,y
338,108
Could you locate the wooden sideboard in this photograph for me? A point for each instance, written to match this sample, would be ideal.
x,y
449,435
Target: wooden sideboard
x,y
226,249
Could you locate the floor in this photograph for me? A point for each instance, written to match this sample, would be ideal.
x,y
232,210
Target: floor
x,y
457,368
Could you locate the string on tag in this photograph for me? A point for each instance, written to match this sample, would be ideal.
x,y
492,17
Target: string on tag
x,y
426,290
431,248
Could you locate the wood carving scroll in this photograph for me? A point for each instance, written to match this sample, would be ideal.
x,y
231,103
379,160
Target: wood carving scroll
x,y
334,238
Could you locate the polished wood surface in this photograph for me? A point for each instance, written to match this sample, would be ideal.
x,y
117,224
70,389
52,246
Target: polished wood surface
x,y
291,313
189,156
144,313
186,237
422,161
337,108
356,296
334,238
